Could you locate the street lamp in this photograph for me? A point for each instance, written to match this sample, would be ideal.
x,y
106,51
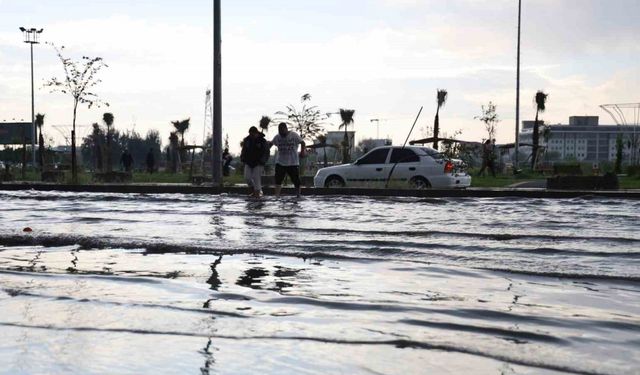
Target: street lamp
x,y
517,142
32,36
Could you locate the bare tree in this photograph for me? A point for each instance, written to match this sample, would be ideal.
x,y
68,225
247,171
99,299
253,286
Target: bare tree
x,y
307,121
80,79
490,119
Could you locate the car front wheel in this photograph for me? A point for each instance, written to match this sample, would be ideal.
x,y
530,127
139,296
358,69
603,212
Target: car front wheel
x,y
334,182
419,183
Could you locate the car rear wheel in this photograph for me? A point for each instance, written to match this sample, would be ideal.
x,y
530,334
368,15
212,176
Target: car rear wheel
x,y
419,183
334,182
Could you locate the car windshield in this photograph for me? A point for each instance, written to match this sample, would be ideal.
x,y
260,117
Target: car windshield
x,y
431,152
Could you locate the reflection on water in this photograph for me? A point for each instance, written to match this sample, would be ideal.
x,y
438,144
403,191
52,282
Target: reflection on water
x,y
320,285
252,277
214,280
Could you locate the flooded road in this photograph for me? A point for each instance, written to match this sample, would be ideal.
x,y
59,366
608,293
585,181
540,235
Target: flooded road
x,y
131,283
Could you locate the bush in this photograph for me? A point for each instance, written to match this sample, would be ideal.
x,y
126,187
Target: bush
x,y
573,169
633,170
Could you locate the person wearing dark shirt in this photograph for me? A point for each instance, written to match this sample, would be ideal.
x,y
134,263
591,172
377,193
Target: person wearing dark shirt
x,y
226,160
151,161
126,160
254,155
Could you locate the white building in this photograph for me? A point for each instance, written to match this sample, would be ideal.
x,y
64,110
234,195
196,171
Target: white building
x,y
584,139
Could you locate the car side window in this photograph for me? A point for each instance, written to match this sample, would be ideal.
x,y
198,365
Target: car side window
x,y
378,156
404,155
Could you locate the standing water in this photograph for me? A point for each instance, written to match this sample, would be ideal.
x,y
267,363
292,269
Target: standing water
x,y
131,283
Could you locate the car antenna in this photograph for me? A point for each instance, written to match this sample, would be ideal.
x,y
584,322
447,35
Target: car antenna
x,y
386,185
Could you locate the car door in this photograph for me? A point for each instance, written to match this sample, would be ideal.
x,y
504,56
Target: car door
x,y
371,169
407,165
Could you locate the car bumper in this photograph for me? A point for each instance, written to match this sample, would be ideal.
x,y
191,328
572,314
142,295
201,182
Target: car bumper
x,y
451,181
318,181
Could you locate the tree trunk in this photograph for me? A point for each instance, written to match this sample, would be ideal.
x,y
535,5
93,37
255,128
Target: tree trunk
x,y
324,151
345,146
74,161
74,167
41,149
436,128
536,140
109,159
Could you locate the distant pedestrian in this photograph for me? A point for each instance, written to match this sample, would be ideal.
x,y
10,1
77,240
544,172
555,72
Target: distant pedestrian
x,y
226,162
288,160
126,160
254,155
488,158
151,161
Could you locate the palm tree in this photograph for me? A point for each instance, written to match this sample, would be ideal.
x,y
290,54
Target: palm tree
x,y
322,140
346,115
541,100
174,155
39,124
181,127
441,98
264,123
107,118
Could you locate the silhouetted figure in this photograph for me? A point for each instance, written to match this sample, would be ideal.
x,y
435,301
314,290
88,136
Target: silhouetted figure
x,y
226,160
254,155
488,158
151,161
126,160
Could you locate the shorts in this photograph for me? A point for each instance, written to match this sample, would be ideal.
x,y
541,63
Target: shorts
x,y
291,170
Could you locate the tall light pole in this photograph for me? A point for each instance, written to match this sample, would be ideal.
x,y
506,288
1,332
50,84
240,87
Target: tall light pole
x,y
216,137
517,143
32,36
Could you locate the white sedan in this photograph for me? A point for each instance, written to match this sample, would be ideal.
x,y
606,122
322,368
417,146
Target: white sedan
x,y
394,166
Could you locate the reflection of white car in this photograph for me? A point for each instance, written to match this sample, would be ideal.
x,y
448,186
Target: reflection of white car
x,y
411,166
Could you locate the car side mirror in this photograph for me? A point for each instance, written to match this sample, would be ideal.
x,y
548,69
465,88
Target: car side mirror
x,y
357,162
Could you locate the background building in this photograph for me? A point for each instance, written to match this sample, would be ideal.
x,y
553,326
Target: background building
x,y
584,139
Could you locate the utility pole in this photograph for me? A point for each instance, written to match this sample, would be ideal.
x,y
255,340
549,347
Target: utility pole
x,y
31,36
216,139
517,143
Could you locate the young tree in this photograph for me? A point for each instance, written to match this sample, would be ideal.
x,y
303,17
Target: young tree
x,y
540,100
490,119
108,118
441,98
307,121
346,116
39,124
81,77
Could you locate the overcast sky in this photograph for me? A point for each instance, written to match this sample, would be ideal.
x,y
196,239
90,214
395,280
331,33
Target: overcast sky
x,y
383,58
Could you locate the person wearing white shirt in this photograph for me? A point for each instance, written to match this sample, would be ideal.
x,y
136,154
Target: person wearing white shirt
x,y
288,159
